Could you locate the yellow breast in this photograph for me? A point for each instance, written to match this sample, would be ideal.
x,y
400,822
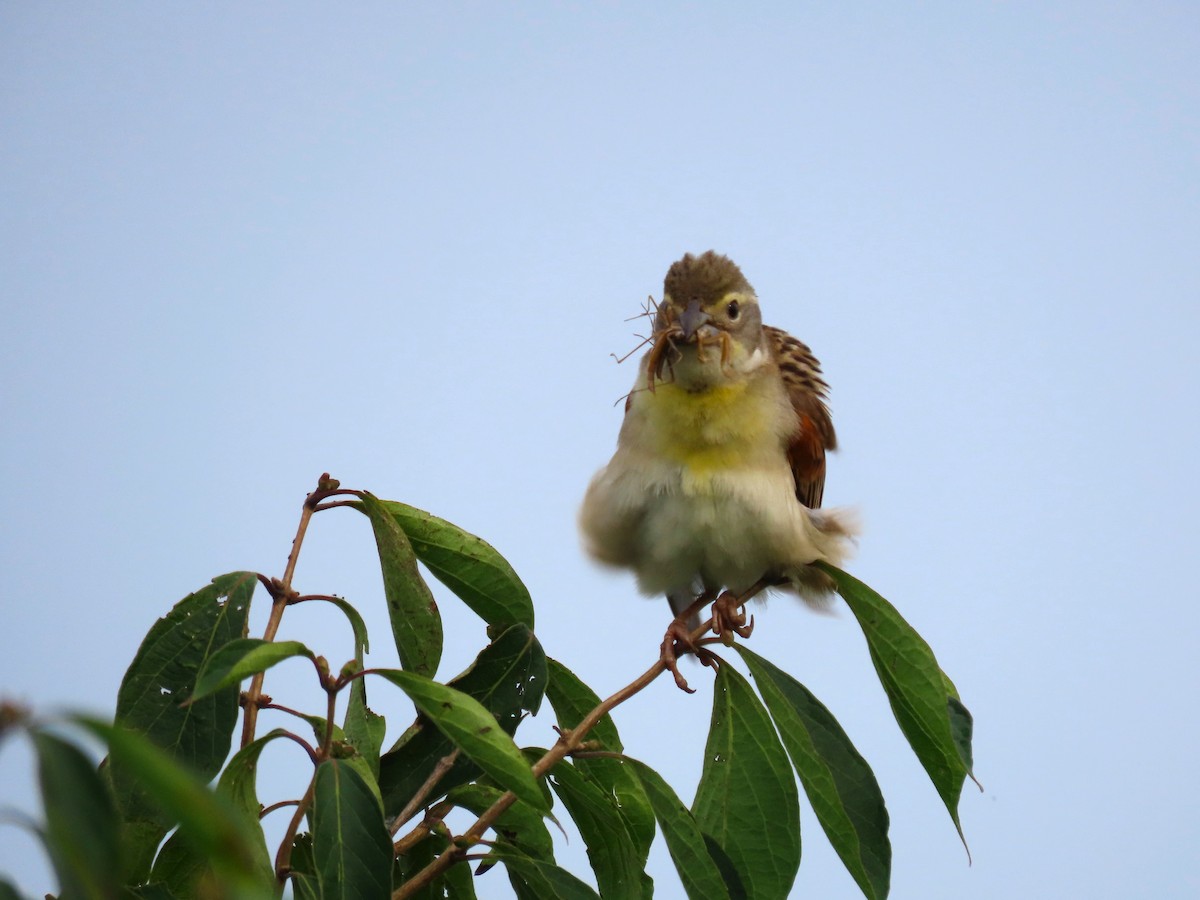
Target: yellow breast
x,y
711,430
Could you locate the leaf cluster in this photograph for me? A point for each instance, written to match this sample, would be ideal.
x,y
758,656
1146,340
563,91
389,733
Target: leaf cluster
x,y
170,813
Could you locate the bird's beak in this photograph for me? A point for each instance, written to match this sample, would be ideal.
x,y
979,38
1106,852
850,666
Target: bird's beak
x,y
691,319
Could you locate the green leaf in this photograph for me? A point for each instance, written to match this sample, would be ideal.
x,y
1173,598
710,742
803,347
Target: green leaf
x,y
609,847
840,785
304,869
178,868
747,798
468,565
539,880
519,826
352,849
729,873
533,755
416,858
8,892
343,750
455,883
508,678
214,828
416,623
240,659
239,785
160,892
685,841
935,723
162,674
82,827
364,729
362,643
468,724
572,701
961,727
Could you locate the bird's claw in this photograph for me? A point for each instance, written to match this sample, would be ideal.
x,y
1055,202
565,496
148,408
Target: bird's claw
x,y
729,618
676,641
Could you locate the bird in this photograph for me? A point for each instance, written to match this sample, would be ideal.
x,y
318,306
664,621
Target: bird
x,y
714,491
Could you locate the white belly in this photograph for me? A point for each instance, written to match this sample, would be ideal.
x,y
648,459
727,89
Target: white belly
x,y
726,529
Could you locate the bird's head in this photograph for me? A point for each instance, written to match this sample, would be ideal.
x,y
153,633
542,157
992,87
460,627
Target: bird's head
x,y
709,313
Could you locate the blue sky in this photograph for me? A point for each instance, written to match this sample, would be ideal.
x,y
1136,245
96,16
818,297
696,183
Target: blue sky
x,y
243,246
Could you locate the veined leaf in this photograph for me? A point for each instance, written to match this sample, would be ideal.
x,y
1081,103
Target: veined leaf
x,y
178,868
572,701
933,720
343,749
685,842
468,565
352,850
82,827
162,674
364,729
610,849
304,869
532,756
962,725
729,872
534,879
416,622
468,724
240,659
747,798
840,785
239,785
508,678
457,883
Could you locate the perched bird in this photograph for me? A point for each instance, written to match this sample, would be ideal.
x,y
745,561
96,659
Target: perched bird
x,y
714,491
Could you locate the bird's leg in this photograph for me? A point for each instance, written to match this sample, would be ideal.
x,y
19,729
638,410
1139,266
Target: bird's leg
x,y
678,640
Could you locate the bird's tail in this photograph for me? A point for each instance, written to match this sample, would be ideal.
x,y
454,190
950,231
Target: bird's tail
x,y
835,532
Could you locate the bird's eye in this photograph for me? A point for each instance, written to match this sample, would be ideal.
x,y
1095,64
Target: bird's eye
x,y
732,309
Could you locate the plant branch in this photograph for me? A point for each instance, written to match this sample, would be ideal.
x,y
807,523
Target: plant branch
x,y
432,818
267,810
337,503
568,742
284,709
598,754
330,711
281,595
308,748
418,799
283,859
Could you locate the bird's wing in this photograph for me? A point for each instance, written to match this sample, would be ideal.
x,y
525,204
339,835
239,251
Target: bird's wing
x,y
814,428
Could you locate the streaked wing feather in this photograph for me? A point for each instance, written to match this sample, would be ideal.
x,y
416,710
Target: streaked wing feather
x,y
814,434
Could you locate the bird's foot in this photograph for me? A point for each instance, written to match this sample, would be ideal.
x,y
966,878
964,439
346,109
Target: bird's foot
x,y
677,641
729,618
